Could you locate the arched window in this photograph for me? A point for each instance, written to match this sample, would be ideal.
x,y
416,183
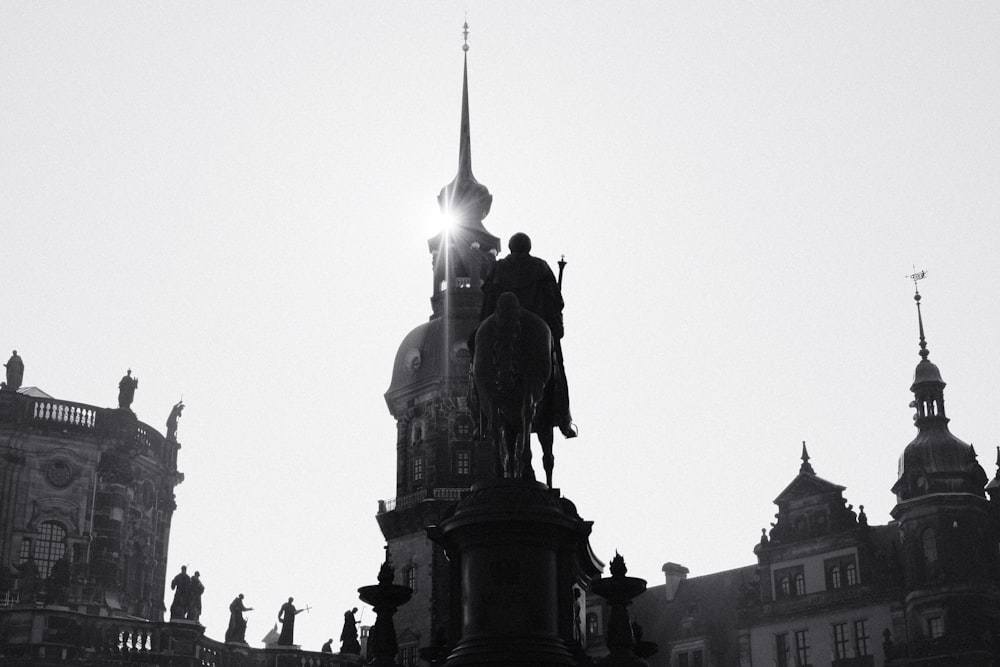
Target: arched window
x,y
852,574
800,584
786,588
835,576
50,545
930,546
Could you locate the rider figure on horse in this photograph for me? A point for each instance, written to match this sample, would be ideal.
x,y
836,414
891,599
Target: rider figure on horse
x,y
532,281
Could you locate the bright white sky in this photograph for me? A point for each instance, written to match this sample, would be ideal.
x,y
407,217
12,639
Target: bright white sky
x,y
233,199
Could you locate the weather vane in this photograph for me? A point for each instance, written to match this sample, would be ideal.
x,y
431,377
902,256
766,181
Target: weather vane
x,y
465,35
915,276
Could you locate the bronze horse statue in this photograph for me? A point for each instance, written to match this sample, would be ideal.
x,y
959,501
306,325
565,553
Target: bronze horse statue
x,y
511,366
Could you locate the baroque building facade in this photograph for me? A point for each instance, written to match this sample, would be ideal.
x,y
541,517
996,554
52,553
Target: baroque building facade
x,y
87,498
830,589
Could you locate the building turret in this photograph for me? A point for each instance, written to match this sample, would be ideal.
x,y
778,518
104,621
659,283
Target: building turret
x,y
949,537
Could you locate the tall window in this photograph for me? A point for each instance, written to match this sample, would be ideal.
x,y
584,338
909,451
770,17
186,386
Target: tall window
x,y
696,659
786,587
802,647
935,627
463,462
411,577
418,468
683,660
408,656
930,546
800,584
862,642
49,546
782,650
841,571
840,640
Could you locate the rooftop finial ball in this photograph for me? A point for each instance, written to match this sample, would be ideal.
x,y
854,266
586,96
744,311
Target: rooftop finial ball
x,y
465,47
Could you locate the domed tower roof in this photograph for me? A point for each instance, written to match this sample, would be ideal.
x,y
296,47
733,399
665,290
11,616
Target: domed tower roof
x,y
935,461
431,357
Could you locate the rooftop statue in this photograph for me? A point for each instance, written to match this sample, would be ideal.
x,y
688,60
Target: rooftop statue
x,y
286,616
15,372
126,390
538,292
349,635
194,599
181,586
175,414
237,630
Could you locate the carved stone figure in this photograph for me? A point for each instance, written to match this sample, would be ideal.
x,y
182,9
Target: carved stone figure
x,y
286,616
349,635
58,582
27,579
15,372
194,601
327,646
175,414
237,630
181,585
126,390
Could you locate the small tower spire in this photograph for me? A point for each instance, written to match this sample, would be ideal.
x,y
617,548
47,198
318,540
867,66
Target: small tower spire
x,y
806,466
465,199
915,276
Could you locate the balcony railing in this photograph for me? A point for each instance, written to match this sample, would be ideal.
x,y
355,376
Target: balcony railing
x,y
411,499
51,413
47,636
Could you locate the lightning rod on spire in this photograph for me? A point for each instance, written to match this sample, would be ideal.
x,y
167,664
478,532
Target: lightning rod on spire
x,y
465,35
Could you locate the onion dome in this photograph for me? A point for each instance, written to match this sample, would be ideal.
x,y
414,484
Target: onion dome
x,y
935,461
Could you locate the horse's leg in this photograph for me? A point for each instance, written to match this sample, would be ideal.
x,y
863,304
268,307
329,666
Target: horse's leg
x,y
548,460
513,465
527,414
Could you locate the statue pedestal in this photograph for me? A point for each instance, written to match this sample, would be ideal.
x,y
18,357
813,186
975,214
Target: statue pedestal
x,y
518,549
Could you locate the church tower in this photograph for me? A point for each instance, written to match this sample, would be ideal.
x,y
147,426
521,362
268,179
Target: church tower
x,y
949,537
438,453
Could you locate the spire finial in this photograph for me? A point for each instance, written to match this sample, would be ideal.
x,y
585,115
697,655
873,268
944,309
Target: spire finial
x,y
806,466
916,276
465,35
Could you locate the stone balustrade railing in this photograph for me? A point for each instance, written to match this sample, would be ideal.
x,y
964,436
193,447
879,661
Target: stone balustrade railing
x,y
411,499
52,413
32,635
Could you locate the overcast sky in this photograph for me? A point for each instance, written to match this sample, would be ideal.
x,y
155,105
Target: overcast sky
x,y
233,199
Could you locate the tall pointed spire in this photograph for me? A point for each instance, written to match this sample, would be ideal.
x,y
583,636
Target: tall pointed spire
x,y
465,200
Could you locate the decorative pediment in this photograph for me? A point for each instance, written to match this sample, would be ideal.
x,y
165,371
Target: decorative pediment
x,y
408,636
806,485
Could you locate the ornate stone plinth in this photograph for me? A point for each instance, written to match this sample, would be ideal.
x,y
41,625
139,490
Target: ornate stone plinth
x,y
517,546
